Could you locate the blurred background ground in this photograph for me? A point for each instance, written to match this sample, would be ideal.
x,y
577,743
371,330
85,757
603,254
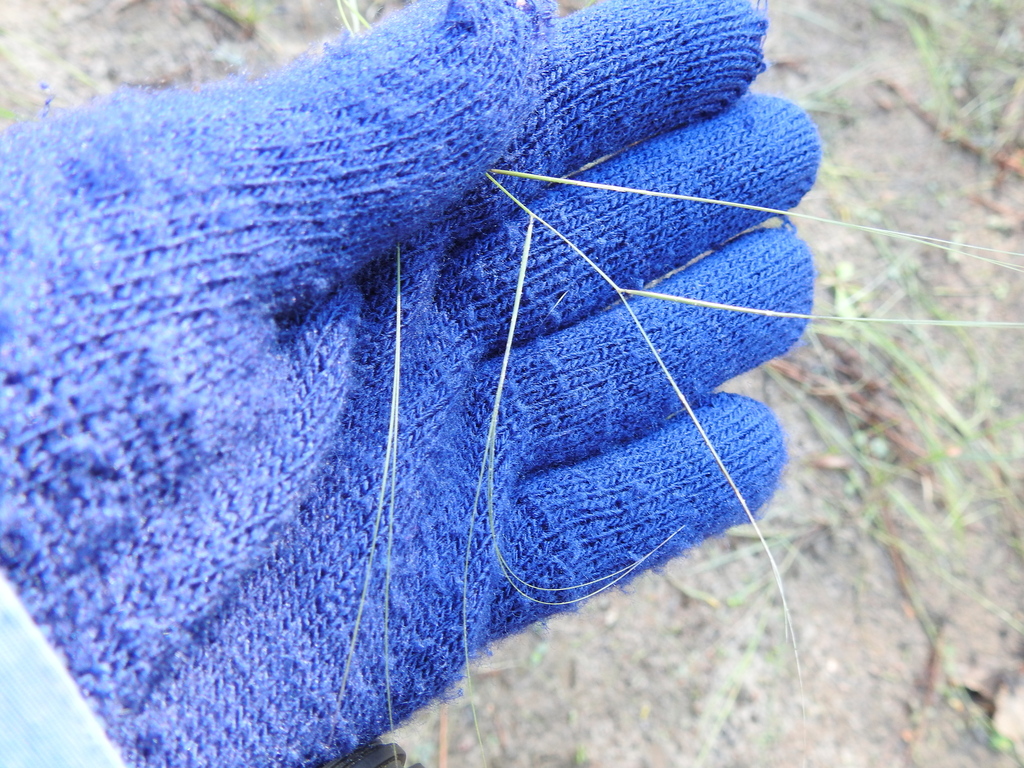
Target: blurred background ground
x,y
899,527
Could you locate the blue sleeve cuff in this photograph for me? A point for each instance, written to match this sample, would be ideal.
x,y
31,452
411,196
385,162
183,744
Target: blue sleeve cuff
x,y
45,719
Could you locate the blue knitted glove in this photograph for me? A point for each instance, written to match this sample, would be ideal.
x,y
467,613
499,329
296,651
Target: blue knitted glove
x,y
197,337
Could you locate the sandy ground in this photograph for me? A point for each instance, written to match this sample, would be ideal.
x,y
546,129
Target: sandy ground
x,y
905,657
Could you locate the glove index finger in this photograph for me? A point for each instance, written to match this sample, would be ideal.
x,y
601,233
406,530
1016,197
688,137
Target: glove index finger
x,y
627,70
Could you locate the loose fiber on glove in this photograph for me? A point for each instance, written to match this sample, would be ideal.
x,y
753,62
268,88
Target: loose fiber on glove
x,y
572,388
739,156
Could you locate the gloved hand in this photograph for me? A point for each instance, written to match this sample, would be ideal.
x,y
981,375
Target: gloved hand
x,y
198,336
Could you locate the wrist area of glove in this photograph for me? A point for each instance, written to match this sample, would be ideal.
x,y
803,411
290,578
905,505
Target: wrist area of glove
x,y
142,482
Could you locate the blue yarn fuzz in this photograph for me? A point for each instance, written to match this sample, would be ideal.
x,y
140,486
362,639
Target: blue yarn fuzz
x,y
198,337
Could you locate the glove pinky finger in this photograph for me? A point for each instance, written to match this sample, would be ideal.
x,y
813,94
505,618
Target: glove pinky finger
x,y
635,507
